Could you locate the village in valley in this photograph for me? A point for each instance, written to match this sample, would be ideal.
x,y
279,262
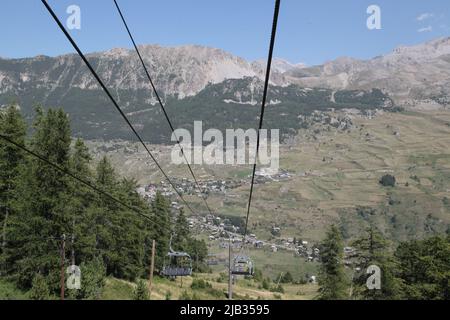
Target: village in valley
x,y
188,187
221,231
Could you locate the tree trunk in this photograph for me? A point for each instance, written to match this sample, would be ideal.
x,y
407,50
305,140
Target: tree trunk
x,y
5,224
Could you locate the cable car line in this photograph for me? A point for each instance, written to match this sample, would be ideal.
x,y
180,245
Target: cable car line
x,y
263,107
96,76
33,239
180,263
238,259
160,103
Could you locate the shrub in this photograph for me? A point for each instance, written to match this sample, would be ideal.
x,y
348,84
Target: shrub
x,y
222,278
279,288
388,181
93,280
266,284
199,284
216,293
287,278
141,291
185,296
258,276
39,289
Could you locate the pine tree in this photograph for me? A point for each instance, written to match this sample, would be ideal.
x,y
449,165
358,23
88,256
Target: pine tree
x,y
131,231
141,291
39,289
373,249
181,237
332,278
198,250
105,215
106,176
120,232
12,126
287,278
81,206
41,214
425,268
81,158
161,210
44,204
93,275
183,241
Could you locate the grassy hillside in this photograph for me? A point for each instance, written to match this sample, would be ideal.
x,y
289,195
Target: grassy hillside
x,y
335,178
164,289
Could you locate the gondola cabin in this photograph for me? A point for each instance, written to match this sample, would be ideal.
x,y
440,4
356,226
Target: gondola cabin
x,y
242,266
177,264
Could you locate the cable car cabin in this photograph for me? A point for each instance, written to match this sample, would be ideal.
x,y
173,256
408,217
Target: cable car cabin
x,y
242,266
179,265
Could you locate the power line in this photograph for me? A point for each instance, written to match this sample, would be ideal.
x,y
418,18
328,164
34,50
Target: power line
x,y
263,106
26,241
34,239
80,53
73,176
160,102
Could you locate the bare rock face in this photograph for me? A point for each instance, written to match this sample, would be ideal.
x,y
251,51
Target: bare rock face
x,y
227,90
177,71
193,81
411,75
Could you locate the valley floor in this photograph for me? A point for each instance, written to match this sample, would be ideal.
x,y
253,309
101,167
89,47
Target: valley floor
x,y
334,178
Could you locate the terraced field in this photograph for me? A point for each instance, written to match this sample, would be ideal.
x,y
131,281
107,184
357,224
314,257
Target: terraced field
x,y
335,179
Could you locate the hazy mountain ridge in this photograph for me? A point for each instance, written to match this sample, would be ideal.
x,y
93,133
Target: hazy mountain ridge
x,y
411,75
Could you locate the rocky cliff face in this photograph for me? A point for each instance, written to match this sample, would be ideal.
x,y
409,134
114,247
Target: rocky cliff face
x,y
177,71
408,73
206,83
411,75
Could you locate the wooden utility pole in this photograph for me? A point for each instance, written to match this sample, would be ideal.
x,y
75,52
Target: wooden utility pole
x,y
63,256
230,276
73,248
152,268
5,225
279,279
5,222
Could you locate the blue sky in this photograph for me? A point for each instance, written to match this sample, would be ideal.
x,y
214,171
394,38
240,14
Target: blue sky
x,y
309,31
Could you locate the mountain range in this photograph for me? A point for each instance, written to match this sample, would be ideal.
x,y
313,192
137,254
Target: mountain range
x,y
410,75
206,83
